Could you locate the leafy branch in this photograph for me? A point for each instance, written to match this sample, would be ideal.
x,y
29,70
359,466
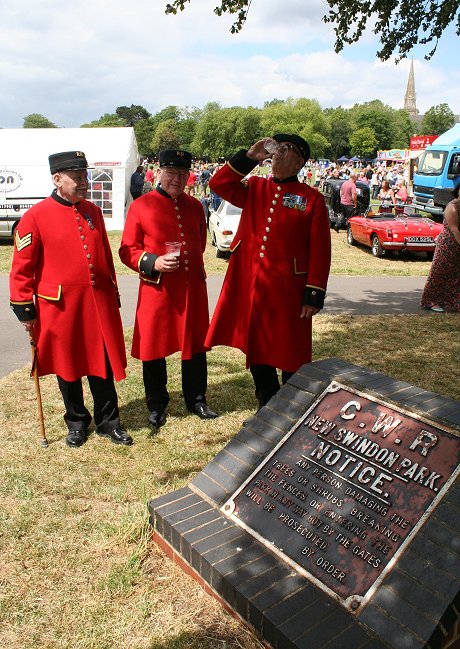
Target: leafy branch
x,y
399,24
239,7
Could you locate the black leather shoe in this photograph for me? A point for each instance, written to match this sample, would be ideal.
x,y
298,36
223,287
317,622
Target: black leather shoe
x,y
203,412
157,419
76,438
117,435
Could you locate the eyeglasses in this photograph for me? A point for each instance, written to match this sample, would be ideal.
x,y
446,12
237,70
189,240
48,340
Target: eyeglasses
x,y
284,147
75,174
272,146
174,171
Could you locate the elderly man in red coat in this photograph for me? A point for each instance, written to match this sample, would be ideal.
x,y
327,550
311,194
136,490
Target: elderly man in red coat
x,y
279,266
63,288
163,240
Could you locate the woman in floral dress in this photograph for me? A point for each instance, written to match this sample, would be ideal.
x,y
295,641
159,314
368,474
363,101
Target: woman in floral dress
x,y
442,289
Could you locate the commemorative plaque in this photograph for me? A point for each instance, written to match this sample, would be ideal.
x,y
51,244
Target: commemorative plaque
x,y
345,490
332,518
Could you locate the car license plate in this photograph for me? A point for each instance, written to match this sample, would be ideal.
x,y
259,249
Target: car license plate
x,y
420,240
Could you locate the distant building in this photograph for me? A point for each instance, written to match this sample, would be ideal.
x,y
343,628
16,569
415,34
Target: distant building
x,y
410,97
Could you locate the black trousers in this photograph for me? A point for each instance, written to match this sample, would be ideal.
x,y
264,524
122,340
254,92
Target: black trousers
x,y
347,211
194,382
266,381
106,413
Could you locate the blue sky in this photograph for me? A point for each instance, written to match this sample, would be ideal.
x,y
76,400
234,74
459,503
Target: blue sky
x,y
74,62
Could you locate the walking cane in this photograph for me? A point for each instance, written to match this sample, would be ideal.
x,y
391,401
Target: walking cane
x,y
34,373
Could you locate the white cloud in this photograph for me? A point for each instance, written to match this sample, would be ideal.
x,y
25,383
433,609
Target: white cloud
x,y
73,63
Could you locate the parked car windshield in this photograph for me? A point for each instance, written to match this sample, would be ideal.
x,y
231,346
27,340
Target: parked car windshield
x,y
432,163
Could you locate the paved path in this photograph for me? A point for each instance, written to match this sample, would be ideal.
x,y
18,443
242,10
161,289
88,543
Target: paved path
x,y
346,294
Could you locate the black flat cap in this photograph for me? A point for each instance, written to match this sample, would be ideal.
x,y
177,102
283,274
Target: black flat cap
x,y
301,144
67,160
175,158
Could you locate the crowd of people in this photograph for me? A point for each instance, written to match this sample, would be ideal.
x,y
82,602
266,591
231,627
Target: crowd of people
x,y
313,173
373,175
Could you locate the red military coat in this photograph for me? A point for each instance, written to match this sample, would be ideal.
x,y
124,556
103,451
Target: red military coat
x,y
172,308
281,252
63,268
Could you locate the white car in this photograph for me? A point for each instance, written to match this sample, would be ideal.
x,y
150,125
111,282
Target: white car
x,y
223,224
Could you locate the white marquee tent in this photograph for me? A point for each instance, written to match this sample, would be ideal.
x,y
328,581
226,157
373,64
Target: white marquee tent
x,y
25,176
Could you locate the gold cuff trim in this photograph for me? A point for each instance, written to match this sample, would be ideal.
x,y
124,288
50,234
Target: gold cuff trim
x,y
21,303
148,280
236,170
318,288
139,261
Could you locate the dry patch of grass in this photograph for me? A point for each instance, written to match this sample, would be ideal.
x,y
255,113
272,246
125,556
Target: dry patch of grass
x,y
419,349
78,567
346,260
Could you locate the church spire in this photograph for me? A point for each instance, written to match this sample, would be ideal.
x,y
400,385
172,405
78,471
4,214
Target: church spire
x,y
409,97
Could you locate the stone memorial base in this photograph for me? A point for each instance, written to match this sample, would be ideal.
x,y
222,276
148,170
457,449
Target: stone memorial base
x,y
304,558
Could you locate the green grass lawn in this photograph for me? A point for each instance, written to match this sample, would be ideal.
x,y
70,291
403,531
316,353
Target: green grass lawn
x,y
78,567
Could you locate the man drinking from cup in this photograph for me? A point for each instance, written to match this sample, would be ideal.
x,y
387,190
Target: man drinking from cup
x,y
279,265
164,239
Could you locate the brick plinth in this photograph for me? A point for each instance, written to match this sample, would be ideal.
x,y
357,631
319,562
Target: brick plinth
x,y
416,604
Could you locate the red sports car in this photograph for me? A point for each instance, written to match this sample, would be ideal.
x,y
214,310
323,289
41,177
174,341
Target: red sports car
x,y
406,230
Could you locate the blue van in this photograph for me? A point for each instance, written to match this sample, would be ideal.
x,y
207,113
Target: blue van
x,y
437,174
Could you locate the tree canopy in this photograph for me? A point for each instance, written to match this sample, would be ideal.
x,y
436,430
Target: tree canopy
x,y
399,24
214,131
35,120
132,114
107,120
363,142
437,120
